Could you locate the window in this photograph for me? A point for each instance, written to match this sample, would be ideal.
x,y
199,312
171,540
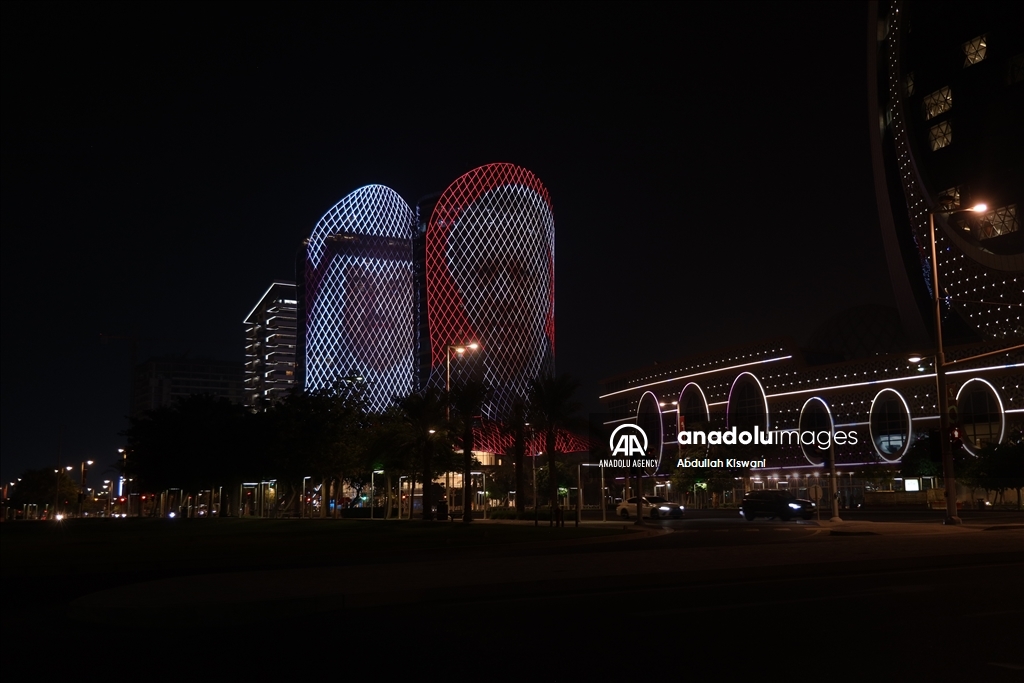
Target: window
x,y
908,84
1001,221
950,199
937,103
940,135
974,51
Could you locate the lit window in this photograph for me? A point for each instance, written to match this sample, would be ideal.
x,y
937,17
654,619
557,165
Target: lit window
x,y
1001,221
974,51
937,103
940,135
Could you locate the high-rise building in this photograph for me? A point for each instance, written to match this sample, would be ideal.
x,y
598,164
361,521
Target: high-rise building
x,y
160,381
270,346
387,295
946,94
357,316
490,280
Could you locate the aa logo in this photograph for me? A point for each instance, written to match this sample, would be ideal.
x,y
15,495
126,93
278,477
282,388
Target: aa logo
x,y
628,440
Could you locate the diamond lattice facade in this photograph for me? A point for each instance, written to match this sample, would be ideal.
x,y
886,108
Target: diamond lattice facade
x,y
358,297
490,250
387,304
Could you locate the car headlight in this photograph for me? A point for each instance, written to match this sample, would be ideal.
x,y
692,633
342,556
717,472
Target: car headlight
x,y
795,506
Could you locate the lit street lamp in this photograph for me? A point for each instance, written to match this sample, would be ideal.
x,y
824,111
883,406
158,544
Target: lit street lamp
x,y
82,493
373,490
459,349
940,375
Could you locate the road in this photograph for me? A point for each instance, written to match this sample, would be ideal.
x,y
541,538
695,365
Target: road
x,y
858,600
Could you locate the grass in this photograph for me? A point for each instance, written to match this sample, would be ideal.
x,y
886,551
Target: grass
x,y
107,546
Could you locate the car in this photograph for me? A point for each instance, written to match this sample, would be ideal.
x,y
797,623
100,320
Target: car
x,y
654,507
772,504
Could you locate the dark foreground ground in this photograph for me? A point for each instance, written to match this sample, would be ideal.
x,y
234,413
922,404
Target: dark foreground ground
x,y
710,597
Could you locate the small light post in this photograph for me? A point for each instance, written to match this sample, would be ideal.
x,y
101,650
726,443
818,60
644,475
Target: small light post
x,y
373,490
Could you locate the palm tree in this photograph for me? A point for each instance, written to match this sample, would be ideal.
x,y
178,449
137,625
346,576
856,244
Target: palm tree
x,y
424,418
468,401
517,426
553,409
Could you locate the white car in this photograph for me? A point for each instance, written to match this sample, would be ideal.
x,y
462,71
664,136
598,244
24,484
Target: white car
x,y
654,507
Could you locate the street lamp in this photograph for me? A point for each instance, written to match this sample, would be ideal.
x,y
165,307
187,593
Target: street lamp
x,y
484,491
459,349
81,495
373,490
940,373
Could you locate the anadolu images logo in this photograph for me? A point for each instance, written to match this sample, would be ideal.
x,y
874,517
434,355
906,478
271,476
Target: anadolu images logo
x,y
630,443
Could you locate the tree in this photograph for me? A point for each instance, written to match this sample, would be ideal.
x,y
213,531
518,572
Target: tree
x,y
999,467
41,487
468,401
553,408
197,441
320,434
517,427
426,434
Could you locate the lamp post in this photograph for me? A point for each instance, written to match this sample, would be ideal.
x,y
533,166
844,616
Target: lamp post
x,y
459,349
82,493
940,373
484,491
373,490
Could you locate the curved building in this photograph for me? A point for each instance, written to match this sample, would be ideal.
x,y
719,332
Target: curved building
x,y
946,91
489,279
358,296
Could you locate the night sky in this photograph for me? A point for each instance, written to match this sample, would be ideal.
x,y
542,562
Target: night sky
x,y
708,165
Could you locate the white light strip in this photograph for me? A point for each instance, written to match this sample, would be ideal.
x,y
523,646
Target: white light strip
x,y
272,285
855,384
991,367
697,374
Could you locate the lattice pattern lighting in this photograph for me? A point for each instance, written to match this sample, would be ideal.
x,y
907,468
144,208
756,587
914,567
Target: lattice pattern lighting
x,y
490,253
359,296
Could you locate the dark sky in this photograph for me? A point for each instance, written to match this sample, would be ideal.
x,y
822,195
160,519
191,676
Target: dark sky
x,y
708,165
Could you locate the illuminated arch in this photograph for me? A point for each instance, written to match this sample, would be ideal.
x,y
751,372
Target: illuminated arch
x,y
359,296
650,419
967,408
811,420
747,405
490,254
889,425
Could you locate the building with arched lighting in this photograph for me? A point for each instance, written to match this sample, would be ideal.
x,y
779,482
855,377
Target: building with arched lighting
x,y
946,92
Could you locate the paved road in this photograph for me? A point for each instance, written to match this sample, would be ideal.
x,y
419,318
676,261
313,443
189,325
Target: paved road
x,y
849,601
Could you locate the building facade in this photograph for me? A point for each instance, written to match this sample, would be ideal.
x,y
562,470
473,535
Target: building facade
x,y
462,288
159,382
946,92
270,346
358,296
489,277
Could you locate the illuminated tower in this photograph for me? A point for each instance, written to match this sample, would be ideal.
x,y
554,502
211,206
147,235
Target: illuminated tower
x,y
270,346
358,297
489,278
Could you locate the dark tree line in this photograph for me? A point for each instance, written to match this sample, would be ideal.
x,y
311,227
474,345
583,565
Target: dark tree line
x,y
329,435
